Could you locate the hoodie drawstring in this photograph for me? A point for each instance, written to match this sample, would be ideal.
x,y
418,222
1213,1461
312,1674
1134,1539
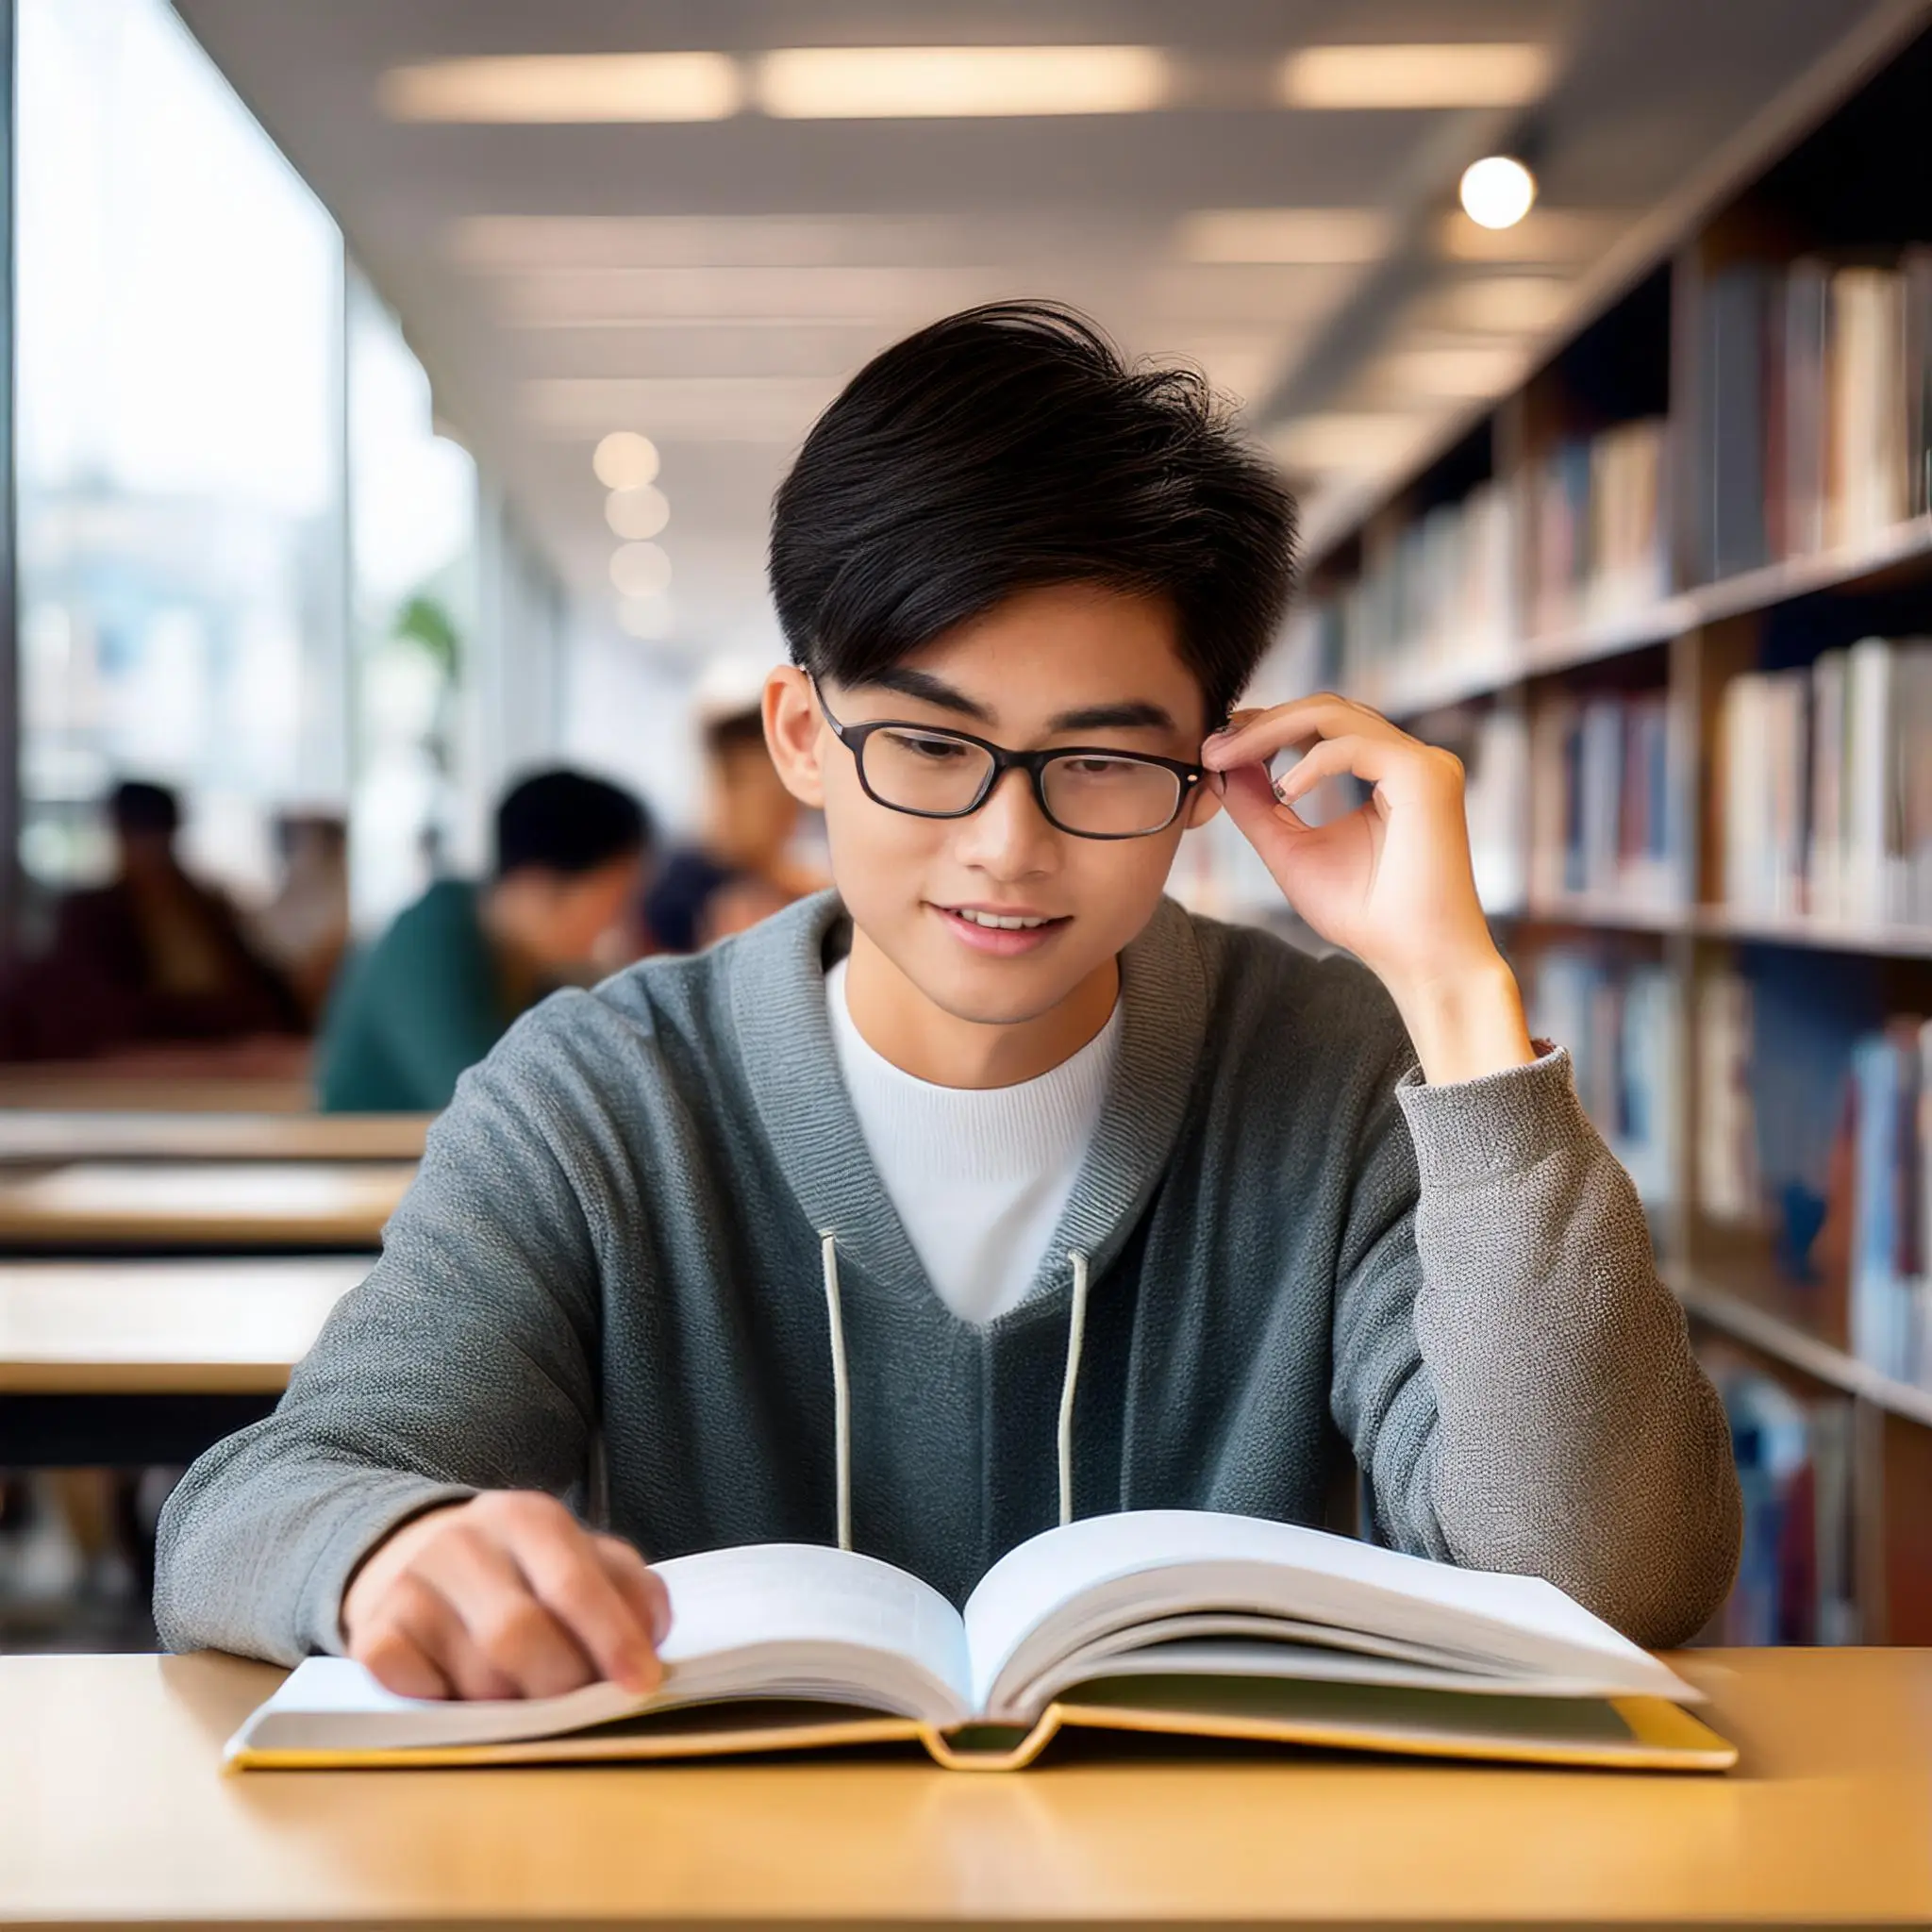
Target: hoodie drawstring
x,y
1077,1334
842,1385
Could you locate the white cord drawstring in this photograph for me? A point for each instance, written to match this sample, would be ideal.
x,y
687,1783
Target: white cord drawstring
x,y
1077,1334
842,1385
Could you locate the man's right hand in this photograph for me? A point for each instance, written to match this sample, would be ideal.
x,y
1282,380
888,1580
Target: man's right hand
x,y
505,1595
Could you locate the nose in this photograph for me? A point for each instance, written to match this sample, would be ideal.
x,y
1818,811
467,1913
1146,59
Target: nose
x,y
1009,837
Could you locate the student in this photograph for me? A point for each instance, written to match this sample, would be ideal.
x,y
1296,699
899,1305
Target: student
x,y
153,957
737,872
437,992
995,1189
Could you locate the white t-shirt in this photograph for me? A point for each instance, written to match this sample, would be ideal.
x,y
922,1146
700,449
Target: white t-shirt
x,y
978,1174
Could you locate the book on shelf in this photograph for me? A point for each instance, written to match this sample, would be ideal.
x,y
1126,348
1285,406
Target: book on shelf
x,y
1890,1289
1823,787
1604,819
1814,426
1623,1028
1795,1576
1597,520
1151,1621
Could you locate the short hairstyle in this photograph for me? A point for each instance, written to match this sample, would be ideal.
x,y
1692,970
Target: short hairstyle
x,y
1009,448
136,808
563,822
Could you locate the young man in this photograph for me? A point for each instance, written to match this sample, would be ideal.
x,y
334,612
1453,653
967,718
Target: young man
x,y
995,1189
437,992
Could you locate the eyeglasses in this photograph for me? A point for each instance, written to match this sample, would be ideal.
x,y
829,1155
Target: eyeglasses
x,y
1088,790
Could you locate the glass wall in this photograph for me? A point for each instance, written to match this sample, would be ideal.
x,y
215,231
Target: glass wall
x,y
251,564
178,356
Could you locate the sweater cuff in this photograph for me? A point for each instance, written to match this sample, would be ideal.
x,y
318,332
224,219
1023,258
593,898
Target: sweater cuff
x,y
1472,1131
376,1510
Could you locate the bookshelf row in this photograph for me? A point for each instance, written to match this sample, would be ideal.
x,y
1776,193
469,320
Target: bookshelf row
x,y
1671,602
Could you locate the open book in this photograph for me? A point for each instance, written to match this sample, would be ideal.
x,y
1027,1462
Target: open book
x,y
1161,1620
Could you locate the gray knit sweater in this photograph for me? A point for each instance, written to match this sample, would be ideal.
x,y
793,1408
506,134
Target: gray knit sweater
x,y
1294,1249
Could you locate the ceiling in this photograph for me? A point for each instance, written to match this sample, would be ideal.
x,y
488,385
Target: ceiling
x,y
712,283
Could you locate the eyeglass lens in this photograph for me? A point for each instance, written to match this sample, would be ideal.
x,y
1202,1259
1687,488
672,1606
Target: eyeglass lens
x,y
1087,792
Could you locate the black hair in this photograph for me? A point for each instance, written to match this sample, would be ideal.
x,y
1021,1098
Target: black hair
x,y
563,822
138,809
1009,448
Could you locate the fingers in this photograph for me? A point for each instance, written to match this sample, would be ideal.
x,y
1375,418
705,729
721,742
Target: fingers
x,y
506,1595
1257,736
1337,758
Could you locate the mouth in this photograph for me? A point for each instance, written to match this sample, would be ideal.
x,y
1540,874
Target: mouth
x,y
1002,933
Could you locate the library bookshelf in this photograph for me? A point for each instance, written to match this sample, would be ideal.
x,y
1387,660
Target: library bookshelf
x,y
1668,601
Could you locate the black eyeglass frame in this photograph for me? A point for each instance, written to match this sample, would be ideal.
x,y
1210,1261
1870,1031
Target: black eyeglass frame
x,y
1033,763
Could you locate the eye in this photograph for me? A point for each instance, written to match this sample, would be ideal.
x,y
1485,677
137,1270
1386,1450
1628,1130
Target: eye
x,y
1101,768
932,751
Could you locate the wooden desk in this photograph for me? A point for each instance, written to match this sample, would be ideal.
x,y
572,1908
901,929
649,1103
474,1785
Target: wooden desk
x,y
49,1136
100,1204
117,1816
127,1362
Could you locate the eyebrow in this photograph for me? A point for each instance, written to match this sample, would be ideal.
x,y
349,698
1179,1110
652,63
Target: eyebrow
x,y
1129,714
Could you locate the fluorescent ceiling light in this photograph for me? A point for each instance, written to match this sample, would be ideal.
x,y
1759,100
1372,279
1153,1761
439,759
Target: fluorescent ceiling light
x,y
1505,74
1356,440
892,83
1316,235
1506,304
1545,234
1460,372
548,88
567,298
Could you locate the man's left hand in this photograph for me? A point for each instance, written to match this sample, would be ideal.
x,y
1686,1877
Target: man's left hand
x,y
1390,881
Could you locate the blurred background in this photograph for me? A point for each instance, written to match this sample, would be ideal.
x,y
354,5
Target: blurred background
x,y
396,393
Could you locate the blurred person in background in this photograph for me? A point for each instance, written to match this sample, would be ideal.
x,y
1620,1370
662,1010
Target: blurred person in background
x,y
443,984
305,927
153,957
739,870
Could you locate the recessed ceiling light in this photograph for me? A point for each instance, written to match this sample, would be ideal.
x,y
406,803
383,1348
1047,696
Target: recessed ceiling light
x,y
1505,74
1545,234
636,513
1319,235
1460,372
893,83
1351,441
639,569
1497,191
1505,305
624,461
554,88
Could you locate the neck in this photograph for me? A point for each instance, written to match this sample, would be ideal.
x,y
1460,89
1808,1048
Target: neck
x,y
902,1025
503,913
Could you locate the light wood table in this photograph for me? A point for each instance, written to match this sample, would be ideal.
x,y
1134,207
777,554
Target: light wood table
x,y
127,1362
116,1815
47,1136
96,1205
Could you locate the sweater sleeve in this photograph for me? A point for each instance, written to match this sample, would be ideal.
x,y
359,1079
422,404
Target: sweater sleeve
x,y
1515,1378
466,1361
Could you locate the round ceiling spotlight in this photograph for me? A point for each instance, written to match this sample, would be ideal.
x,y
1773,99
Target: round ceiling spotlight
x,y
1497,191
639,569
625,460
636,513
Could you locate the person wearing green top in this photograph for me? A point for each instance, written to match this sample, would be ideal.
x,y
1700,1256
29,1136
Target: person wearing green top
x,y
443,984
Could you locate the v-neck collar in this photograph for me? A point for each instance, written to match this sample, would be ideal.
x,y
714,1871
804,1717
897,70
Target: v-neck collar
x,y
785,1047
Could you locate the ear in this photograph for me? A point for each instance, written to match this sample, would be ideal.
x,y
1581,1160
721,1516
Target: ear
x,y
1205,803
794,733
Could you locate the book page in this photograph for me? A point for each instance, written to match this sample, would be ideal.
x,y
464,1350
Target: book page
x,y
783,1620
1069,1585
